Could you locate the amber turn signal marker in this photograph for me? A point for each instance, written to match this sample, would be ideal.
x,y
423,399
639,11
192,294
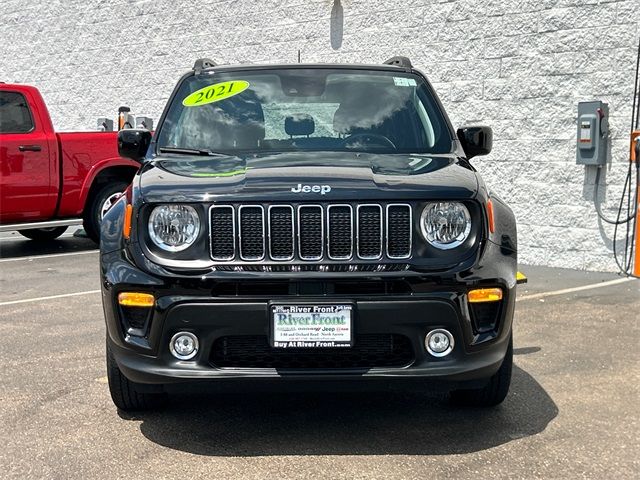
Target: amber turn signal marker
x,y
481,295
135,299
126,227
492,225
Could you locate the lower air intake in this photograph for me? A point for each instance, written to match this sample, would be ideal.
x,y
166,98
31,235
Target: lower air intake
x,y
369,351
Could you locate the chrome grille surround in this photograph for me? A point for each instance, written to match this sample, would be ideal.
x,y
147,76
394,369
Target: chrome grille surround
x,y
254,258
301,236
317,232
225,258
389,236
281,258
360,237
329,243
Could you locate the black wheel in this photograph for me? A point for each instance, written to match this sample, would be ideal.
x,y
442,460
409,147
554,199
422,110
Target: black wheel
x,y
125,393
43,234
98,205
494,392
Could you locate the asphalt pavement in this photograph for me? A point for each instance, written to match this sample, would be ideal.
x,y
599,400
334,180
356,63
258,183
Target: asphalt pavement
x,y
572,411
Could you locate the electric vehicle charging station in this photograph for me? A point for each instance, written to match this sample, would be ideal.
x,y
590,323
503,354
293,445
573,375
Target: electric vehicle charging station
x,y
592,150
593,133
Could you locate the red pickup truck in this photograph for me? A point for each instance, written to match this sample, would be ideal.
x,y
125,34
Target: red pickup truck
x,y
49,180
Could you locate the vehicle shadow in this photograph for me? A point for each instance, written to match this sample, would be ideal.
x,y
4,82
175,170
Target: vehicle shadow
x,y
17,246
345,423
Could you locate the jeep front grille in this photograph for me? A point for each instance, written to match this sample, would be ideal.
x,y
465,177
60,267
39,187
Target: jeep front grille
x,y
311,233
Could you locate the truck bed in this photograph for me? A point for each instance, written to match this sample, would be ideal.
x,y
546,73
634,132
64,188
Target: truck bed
x,y
83,155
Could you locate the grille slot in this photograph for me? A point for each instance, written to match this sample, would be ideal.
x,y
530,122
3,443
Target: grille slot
x,y
340,232
399,228
223,233
369,231
281,233
251,232
369,351
310,232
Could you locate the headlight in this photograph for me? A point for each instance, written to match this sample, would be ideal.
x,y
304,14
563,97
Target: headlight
x,y
445,225
174,227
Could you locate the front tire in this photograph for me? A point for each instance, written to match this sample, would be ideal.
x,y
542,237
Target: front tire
x,y
494,392
126,394
97,206
43,234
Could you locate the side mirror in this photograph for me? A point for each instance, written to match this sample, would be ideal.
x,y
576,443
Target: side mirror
x,y
133,143
476,140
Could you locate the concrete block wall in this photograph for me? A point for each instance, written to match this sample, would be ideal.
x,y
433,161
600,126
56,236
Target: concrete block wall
x,y
520,66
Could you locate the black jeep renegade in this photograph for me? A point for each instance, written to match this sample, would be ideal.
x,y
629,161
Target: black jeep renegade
x,y
308,224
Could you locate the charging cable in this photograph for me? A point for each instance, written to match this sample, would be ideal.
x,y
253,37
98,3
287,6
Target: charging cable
x,y
628,207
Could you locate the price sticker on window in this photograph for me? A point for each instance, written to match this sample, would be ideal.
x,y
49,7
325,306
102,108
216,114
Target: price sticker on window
x,y
215,93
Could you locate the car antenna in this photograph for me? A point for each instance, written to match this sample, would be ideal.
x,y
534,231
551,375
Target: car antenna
x,y
299,56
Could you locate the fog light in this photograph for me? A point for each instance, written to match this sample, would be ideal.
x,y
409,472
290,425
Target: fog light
x,y
184,345
439,343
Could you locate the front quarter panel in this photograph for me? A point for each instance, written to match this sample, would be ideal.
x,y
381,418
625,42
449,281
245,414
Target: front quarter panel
x,y
505,234
111,238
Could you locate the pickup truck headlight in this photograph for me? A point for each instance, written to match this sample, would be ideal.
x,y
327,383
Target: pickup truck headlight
x,y
445,225
174,227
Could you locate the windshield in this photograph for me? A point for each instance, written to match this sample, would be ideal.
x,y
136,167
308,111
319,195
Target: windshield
x,y
320,109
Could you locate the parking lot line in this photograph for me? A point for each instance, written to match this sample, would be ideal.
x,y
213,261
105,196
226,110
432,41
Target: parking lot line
x,y
53,255
574,289
50,297
18,238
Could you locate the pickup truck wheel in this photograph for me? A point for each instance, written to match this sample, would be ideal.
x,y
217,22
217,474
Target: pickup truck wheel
x,y
98,205
43,234
125,393
494,392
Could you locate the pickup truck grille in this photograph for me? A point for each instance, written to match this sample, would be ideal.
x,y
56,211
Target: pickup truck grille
x,y
310,233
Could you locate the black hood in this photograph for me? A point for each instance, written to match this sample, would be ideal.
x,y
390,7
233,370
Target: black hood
x,y
271,178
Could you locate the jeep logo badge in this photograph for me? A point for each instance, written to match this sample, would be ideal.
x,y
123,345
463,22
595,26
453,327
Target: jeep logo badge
x,y
321,189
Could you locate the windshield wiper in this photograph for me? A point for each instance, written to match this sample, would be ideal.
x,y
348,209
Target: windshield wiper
x,y
190,151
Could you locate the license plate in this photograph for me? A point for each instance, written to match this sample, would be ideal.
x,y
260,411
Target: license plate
x,y
311,326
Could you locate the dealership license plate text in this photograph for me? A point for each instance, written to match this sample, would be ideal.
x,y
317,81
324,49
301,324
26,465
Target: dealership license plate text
x,y
311,326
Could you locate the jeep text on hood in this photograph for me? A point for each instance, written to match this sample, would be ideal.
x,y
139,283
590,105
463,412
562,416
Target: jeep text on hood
x,y
321,189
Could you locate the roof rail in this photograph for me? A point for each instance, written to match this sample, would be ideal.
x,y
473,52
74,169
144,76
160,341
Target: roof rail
x,y
203,63
403,62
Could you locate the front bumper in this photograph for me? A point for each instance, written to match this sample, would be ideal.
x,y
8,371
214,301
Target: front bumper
x,y
181,305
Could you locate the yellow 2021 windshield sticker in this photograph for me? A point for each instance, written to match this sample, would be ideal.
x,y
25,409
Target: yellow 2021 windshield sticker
x,y
215,93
